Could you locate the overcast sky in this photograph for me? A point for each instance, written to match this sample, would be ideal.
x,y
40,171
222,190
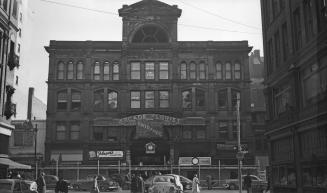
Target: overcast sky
x,y
45,20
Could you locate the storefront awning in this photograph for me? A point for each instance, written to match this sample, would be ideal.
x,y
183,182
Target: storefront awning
x,y
13,164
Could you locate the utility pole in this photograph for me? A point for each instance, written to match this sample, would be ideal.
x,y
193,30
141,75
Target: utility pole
x,y
35,145
239,154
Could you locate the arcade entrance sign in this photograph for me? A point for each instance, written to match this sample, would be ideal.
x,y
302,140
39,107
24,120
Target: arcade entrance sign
x,y
167,120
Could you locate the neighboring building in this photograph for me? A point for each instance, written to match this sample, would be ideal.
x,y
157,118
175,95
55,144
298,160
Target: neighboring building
x,y
148,99
8,62
258,108
295,43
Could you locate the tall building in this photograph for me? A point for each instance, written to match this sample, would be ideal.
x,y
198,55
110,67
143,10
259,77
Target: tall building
x,y
8,62
295,42
148,99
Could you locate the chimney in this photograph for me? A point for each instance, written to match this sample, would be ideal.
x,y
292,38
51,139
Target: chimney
x,y
29,103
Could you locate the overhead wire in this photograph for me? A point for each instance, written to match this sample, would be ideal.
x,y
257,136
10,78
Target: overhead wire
x,y
113,13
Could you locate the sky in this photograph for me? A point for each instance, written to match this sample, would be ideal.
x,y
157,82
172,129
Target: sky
x,y
98,20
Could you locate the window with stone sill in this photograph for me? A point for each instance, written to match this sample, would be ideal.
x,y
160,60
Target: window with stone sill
x,y
61,131
79,70
183,68
228,71
98,100
219,71
135,99
97,71
163,99
62,100
163,70
202,71
115,71
76,101
149,99
106,71
149,70
135,70
112,100
75,131
60,71
70,70
192,71
237,71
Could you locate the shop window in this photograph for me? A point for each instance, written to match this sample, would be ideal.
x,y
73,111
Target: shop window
x,y
150,34
135,70
187,99
201,134
135,99
61,131
222,98
115,71
183,70
74,131
112,100
76,101
60,71
149,99
113,134
187,133
70,70
62,102
149,70
237,71
228,71
106,71
219,71
164,99
96,71
202,71
192,70
98,103
223,129
98,133
80,71
163,70
200,98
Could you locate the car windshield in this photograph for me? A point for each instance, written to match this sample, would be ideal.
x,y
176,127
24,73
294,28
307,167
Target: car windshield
x,y
163,179
5,185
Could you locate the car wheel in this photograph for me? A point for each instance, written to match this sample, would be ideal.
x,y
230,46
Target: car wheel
x,y
232,187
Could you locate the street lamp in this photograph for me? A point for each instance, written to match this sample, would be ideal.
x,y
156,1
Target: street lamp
x,y
240,154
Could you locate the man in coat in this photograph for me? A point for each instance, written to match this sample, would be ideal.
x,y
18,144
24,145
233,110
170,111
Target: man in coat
x,y
41,186
61,186
247,183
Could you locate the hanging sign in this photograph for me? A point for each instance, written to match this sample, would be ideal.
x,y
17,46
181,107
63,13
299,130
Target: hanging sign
x,y
150,148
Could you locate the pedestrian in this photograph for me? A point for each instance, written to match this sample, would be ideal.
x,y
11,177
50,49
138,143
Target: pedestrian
x,y
133,184
41,186
95,186
247,182
139,183
209,182
61,186
195,184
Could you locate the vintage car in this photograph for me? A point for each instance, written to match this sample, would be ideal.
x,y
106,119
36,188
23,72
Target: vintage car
x,y
105,184
17,186
165,184
232,184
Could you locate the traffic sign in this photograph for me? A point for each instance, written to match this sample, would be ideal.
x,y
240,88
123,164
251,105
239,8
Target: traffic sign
x,y
195,161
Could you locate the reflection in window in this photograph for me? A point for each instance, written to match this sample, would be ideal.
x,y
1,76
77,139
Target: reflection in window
x,y
149,99
228,71
74,131
223,129
187,99
149,70
60,71
222,98
106,71
112,100
200,98
62,101
76,101
183,70
98,100
115,71
135,99
79,71
70,70
98,133
192,70
96,71
61,131
163,70
164,99
135,70
219,71
202,71
237,71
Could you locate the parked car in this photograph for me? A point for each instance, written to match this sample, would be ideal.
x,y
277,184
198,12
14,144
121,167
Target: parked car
x,y
17,186
187,183
105,184
51,181
232,184
165,184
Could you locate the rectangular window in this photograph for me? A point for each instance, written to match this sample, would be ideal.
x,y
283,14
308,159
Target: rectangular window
x,y
98,133
285,41
112,100
115,71
98,100
282,99
106,71
96,71
149,70
60,71
183,71
135,70
76,101
277,49
200,98
79,71
200,133
187,133
223,129
192,70
70,71
112,134
164,99
237,71
61,131
135,99
164,70
23,138
62,102
270,56
297,29
311,82
187,99
308,19
218,71
228,71
202,71
222,98
149,99
74,131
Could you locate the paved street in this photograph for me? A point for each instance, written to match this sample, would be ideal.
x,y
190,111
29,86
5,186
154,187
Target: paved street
x,y
127,191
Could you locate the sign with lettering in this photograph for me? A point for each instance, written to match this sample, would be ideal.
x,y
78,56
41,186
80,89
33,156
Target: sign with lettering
x,y
150,148
105,154
132,120
189,161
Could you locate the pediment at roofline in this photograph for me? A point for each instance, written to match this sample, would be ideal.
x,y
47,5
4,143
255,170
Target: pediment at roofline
x,y
150,8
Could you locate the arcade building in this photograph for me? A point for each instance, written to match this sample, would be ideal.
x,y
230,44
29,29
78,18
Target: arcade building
x,y
148,99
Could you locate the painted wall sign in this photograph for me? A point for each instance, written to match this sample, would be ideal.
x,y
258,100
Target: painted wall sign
x,y
189,161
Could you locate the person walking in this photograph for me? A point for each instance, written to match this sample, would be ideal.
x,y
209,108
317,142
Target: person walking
x,y
41,186
140,183
247,183
95,186
195,184
61,186
133,184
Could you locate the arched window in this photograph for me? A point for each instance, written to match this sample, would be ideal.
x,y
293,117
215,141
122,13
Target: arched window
x,y
115,71
219,70
60,71
106,71
96,71
183,70
150,34
98,98
62,100
112,100
79,71
187,99
237,71
70,70
228,71
192,70
76,101
202,71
